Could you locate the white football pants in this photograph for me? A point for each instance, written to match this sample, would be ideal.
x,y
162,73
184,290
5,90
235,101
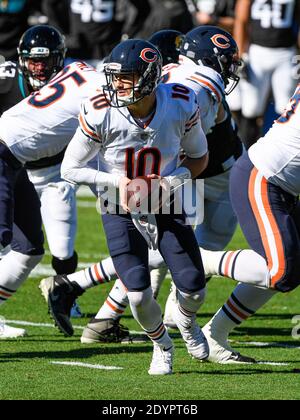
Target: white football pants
x,y
58,209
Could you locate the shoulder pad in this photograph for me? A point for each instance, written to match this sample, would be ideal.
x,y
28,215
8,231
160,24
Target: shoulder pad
x,y
210,80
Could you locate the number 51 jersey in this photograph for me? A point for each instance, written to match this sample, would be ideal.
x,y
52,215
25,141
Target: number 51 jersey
x,y
42,124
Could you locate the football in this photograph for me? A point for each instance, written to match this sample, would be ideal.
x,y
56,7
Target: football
x,y
140,194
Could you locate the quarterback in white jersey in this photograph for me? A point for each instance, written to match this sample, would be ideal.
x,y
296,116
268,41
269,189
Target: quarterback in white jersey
x,y
138,128
154,146
224,148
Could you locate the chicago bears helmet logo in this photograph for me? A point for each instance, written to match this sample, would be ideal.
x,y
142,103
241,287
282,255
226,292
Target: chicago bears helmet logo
x,y
221,41
149,55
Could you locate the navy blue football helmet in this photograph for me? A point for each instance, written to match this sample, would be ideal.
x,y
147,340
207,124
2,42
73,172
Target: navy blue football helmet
x,y
213,47
42,43
169,43
137,58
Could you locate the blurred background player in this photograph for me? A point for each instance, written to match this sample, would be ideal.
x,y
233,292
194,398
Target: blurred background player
x,y
167,14
94,27
266,33
217,13
14,21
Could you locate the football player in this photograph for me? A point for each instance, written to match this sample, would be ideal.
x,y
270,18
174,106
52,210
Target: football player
x,y
138,129
169,43
37,129
224,147
41,55
264,190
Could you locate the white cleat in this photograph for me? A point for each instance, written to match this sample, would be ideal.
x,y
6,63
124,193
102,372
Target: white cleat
x,y
221,352
192,334
7,332
170,307
44,288
162,361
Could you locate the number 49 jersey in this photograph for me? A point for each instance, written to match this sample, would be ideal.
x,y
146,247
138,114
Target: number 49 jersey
x,y
42,124
277,155
130,149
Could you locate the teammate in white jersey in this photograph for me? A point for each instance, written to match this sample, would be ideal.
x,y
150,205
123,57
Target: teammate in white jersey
x,y
138,130
41,54
265,188
38,127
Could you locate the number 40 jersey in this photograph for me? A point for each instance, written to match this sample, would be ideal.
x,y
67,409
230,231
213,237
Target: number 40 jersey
x,y
43,124
277,155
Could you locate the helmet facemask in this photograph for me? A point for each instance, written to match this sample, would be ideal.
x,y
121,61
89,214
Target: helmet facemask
x,y
143,85
38,76
229,65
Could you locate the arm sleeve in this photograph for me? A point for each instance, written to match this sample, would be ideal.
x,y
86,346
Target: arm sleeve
x,y
194,141
74,167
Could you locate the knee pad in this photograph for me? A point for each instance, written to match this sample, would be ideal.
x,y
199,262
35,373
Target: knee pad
x,y
191,301
136,278
189,280
65,266
140,298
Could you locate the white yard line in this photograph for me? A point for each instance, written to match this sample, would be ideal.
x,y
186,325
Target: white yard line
x,y
37,324
87,365
45,325
86,204
46,270
272,363
84,191
262,344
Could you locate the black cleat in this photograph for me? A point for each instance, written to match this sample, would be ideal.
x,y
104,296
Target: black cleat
x,y
61,296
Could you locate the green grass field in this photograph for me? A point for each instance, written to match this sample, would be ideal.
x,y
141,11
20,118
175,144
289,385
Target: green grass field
x,y
27,371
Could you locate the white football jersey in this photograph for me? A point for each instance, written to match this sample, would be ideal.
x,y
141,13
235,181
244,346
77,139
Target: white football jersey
x,y
204,81
277,154
42,124
127,149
